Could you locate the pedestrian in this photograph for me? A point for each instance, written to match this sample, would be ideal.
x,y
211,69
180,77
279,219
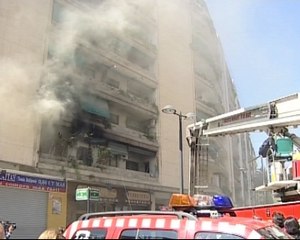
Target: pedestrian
x,y
9,231
2,232
6,230
61,230
278,219
51,233
292,227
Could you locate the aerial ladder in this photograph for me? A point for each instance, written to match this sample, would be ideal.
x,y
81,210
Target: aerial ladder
x,y
275,118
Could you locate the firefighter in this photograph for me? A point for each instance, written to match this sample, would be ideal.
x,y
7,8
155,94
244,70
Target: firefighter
x,y
292,227
278,219
273,110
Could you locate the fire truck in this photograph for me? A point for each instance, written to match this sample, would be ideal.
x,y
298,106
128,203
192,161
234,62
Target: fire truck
x,y
275,118
197,217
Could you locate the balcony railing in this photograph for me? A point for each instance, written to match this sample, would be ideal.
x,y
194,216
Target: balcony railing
x,y
65,165
124,96
200,104
121,60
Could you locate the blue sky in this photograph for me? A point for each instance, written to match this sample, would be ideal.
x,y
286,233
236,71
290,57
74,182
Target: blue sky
x,y
261,43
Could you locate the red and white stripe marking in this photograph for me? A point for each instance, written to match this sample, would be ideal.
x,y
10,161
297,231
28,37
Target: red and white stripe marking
x,y
163,223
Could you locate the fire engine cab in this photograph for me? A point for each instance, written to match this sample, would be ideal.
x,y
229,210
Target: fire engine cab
x,y
198,217
275,118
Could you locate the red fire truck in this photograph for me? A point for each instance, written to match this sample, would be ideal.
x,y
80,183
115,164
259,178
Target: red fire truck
x,y
198,217
275,118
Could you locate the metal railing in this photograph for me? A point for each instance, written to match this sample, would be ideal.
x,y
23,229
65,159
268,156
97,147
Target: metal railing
x,y
179,215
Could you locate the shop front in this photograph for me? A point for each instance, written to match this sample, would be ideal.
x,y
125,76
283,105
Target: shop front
x,y
33,202
110,199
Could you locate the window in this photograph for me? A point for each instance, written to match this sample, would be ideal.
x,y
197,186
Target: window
x,y
90,234
114,160
148,234
132,165
113,83
147,167
199,3
134,124
114,118
58,12
215,235
90,73
84,154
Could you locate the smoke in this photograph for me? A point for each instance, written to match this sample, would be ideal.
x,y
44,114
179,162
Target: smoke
x,y
93,25
15,90
90,29
50,89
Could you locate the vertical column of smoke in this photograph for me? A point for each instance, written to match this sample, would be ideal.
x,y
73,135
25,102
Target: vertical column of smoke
x,y
84,28
27,90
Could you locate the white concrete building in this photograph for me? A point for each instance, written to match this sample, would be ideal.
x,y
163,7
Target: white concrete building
x,y
82,88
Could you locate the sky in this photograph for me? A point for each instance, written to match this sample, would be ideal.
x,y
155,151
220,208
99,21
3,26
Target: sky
x,y
261,43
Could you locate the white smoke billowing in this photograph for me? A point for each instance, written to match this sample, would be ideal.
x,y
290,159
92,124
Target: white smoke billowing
x,y
96,27
93,25
47,90
16,90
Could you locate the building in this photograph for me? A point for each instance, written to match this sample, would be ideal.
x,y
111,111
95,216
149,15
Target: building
x,y
82,86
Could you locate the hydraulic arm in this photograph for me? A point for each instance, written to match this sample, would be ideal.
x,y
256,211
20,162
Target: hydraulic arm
x,y
273,118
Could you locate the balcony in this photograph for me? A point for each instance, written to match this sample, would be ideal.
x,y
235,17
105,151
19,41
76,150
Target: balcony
x,y
118,58
122,97
142,43
144,12
204,107
202,77
136,137
77,169
114,94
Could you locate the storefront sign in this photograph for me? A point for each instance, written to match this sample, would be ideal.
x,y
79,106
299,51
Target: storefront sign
x,y
82,194
29,182
94,195
138,196
108,193
87,194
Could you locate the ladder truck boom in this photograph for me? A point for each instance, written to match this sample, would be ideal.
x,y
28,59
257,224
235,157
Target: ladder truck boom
x,y
274,118
251,119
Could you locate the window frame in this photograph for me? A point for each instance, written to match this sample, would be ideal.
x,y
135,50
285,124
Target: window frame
x,y
89,231
214,235
140,233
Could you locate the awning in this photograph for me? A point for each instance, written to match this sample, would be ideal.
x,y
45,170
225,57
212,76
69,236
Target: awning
x,y
141,151
118,148
95,105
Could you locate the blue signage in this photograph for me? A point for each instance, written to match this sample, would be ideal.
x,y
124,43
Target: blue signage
x,y
29,182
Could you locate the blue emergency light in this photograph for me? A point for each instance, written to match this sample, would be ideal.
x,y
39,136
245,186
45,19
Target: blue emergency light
x,y
213,206
222,202
218,202
202,204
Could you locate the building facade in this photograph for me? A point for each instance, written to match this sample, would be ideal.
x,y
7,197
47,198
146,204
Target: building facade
x,y
83,86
